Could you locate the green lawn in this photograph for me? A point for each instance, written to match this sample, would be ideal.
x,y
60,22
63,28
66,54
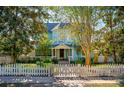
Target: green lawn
x,y
104,85
31,65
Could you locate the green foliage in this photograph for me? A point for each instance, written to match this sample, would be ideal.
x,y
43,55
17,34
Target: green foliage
x,y
79,62
92,60
28,60
44,45
55,61
114,20
47,61
46,65
39,62
72,62
82,27
18,26
23,27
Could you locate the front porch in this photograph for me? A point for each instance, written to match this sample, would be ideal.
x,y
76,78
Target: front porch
x,y
63,53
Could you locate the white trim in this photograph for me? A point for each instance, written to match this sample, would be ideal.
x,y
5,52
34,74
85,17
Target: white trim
x,y
72,53
56,27
52,52
62,46
59,53
55,53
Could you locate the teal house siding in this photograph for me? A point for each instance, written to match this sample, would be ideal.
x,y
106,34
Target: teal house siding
x,y
63,47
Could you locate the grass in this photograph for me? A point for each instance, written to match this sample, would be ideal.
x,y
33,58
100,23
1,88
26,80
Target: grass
x,y
104,65
46,65
104,85
43,85
30,65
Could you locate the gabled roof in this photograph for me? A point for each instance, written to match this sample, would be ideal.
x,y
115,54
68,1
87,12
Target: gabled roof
x,y
56,43
70,44
62,46
50,26
63,24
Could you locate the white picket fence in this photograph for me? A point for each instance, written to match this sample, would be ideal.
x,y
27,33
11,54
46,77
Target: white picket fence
x,y
59,70
84,71
21,70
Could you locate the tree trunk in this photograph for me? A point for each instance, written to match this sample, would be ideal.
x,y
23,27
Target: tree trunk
x,y
14,59
106,57
88,59
96,57
114,54
14,55
114,51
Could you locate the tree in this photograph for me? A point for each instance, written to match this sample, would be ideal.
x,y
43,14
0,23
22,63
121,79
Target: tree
x,y
44,45
18,26
113,18
83,22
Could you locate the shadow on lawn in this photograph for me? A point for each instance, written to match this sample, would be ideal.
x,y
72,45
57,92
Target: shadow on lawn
x,y
121,83
25,85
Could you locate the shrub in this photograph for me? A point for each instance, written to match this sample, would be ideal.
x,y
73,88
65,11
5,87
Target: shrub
x,y
72,62
28,60
47,61
37,59
82,59
38,62
55,61
79,62
92,60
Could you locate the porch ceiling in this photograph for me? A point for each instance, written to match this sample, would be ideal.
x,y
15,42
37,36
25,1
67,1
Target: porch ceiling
x,y
62,46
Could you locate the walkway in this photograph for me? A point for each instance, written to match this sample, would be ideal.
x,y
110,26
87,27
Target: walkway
x,y
26,79
54,82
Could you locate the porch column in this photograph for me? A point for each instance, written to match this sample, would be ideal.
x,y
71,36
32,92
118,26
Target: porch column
x,y
52,52
72,53
58,53
69,56
55,52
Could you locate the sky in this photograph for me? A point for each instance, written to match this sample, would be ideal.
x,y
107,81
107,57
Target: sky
x,y
100,25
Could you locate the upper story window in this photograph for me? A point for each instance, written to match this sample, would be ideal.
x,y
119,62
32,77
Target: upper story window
x,y
61,35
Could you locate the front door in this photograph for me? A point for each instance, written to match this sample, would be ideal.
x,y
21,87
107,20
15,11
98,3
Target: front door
x,y
61,53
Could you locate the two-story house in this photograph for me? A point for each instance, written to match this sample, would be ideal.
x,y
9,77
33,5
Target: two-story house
x,y
63,45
